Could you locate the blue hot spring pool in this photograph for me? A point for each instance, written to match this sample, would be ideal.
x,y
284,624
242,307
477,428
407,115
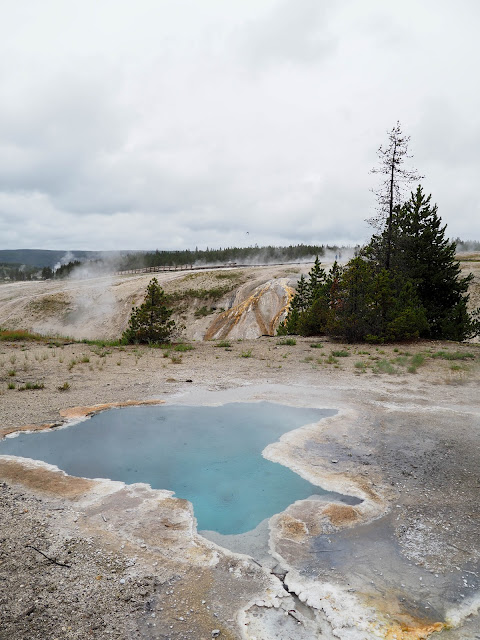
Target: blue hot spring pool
x,y
211,456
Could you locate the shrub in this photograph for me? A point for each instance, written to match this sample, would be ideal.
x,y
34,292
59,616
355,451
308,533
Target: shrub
x,y
417,360
383,366
183,347
223,343
203,311
19,335
29,386
456,355
458,367
291,342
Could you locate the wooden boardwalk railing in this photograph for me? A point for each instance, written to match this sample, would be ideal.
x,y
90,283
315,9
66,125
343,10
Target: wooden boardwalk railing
x,y
185,267
191,267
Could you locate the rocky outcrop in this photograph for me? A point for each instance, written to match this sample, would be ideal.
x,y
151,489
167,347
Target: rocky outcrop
x,y
254,313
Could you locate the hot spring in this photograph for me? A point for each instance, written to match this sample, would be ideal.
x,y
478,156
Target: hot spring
x,y
212,456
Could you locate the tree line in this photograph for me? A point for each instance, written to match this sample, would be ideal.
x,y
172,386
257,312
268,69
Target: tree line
x,y
240,255
17,272
404,284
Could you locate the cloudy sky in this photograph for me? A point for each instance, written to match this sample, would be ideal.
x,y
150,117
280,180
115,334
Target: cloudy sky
x,y
183,123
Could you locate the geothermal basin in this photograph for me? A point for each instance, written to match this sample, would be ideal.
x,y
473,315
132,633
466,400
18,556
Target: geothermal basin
x,y
392,565
211,456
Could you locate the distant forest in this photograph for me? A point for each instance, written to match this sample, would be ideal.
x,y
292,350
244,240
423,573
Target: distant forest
x,y
241,255
18,271
464,246
35,264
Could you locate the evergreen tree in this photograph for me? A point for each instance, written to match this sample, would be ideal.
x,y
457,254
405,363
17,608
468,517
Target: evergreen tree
x,y
316,280
150,322
315,319
360,302
307,292
376,305
301,299
310,308
290,325
421,253
389,194
404,284
66,269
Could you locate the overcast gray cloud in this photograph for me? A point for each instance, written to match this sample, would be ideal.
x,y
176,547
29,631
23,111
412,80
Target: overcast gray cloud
x,y
160,124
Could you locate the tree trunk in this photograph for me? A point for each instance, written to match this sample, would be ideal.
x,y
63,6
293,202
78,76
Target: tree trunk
x,y
390,212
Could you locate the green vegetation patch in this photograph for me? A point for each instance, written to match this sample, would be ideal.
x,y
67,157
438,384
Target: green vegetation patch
x,y
31,386
384,366
418,359
102,343
455,355
223,343
459,367
203,311
19,335
214,293
183,347
229,275
52,305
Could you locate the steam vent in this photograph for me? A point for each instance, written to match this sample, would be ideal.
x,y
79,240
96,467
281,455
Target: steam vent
x,y
253,313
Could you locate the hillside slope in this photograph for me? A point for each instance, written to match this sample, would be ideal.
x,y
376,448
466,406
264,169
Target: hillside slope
x,y
231,302
99,307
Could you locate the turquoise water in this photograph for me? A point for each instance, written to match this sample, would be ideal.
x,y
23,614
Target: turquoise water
x,y
208,455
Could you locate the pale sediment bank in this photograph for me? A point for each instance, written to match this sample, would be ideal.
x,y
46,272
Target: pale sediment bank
x,y
402,563
74,414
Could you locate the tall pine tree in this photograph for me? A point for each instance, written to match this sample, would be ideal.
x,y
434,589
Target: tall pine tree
x,y
421,252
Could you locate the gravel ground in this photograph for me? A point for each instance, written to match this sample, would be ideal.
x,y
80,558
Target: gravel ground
x,y
406,440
